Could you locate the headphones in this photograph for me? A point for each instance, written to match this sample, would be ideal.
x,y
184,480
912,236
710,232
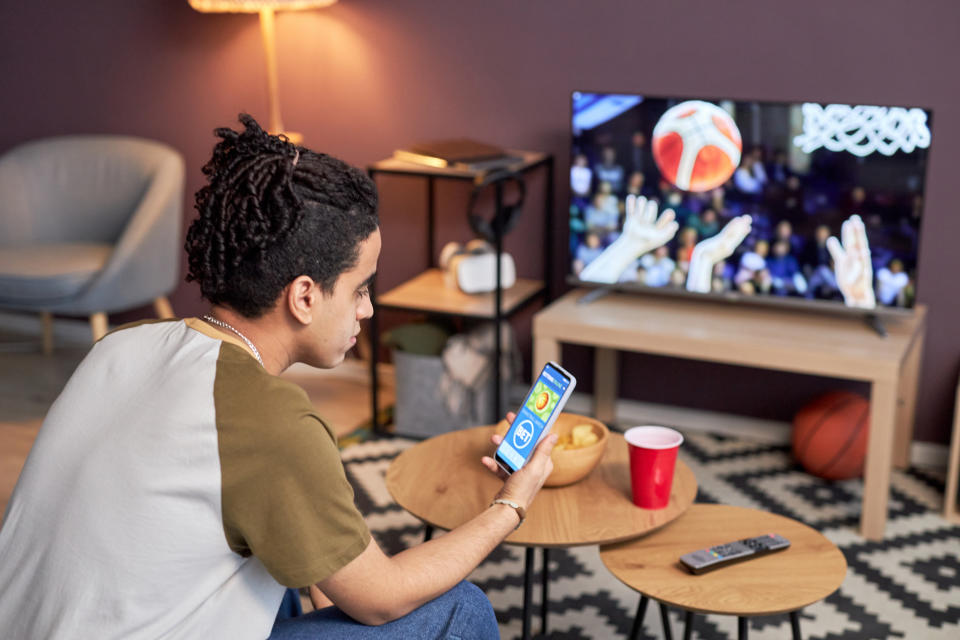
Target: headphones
x,y
506,214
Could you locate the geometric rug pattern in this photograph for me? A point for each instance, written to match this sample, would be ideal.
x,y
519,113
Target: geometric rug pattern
x,y
907,586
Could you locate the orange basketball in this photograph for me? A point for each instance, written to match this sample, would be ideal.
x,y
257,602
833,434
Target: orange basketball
x,y
696,145
830,435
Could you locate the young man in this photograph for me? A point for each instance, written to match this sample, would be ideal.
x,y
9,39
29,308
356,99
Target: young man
x,y
178,485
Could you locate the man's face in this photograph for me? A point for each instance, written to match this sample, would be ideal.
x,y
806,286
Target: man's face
x,y
336,318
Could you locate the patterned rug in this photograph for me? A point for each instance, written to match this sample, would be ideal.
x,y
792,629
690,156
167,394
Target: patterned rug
x,y
907,586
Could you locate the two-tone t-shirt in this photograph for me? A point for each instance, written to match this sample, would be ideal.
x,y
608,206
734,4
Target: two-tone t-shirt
x,y
174,490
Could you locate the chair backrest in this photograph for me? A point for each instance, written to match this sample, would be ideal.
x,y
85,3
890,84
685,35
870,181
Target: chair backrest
x,y
74,188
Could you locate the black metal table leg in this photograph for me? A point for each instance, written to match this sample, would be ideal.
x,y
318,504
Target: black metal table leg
x,y
427,532
546,581
688,626
743,626
527,591
795,624
638,619
665,618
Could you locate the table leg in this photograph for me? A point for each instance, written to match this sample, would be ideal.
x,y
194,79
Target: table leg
x,y
544,351
795,624
546,582
688,626
907,403
638,619
742,627
876,475
605,384
427,532
527,591
665,618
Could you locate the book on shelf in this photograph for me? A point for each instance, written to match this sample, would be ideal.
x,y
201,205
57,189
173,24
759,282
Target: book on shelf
x,y
459,153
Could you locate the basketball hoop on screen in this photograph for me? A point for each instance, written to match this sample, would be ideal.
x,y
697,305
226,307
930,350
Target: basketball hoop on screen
x,y
862,130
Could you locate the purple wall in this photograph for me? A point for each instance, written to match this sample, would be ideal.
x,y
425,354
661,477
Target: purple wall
x,y
366,76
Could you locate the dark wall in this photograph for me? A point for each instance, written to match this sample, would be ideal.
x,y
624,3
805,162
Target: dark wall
x,y
366,76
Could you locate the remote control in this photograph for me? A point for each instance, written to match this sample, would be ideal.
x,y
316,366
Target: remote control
x,y
704,560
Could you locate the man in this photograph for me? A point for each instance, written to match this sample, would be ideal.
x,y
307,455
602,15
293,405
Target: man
x,y
178,485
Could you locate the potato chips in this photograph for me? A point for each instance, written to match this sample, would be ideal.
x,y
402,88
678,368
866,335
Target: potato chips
x,y
579,437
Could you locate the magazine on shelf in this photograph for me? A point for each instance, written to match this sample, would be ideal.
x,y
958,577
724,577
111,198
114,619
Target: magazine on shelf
x,y
460,153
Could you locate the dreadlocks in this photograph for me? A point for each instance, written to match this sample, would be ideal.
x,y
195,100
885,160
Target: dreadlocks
x,y
272,211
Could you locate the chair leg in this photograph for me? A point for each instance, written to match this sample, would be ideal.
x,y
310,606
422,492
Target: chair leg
x,y
98,325
46,319
162,307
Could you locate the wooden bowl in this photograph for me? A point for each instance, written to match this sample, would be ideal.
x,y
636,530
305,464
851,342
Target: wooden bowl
x,y
572,465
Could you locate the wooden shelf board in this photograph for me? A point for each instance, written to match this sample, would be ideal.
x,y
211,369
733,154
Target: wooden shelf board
x,y
427,292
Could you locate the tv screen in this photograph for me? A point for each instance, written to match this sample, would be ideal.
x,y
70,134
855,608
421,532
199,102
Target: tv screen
x,y
805,203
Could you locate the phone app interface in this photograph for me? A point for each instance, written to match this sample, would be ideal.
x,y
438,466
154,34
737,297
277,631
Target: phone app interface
x,y
533,416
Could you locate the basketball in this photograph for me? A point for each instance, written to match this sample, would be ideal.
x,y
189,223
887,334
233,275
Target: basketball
x,y
696,145
830,435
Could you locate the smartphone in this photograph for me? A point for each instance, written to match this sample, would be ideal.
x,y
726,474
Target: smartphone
x,y
539,411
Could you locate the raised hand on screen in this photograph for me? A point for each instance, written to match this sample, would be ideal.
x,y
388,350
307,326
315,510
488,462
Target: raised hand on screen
x,y
643,231
712,250
851,264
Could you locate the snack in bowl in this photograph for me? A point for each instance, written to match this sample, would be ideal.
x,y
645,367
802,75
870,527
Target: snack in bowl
x,y
580,448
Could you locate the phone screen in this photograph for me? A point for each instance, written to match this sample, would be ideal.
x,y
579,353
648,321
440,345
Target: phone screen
x,y
545,400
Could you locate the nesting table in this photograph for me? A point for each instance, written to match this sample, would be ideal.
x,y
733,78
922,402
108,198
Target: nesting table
x,y
782,582
442,482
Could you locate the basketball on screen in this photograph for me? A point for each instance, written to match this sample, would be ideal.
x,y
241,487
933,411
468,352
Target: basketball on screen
x,y
696,145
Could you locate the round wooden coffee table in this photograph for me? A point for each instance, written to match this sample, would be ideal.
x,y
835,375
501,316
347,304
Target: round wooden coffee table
x,y
442,482
782,582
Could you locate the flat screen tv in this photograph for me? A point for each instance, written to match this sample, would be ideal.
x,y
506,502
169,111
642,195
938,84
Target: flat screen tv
x,y
809,204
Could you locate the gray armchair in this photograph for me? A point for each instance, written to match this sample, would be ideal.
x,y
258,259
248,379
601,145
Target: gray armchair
x,y
89,225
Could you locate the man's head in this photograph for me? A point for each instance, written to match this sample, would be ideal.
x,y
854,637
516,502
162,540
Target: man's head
x,y
271,212
289,236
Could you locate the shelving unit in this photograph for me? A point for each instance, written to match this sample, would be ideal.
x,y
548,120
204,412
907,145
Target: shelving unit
x,y
427,293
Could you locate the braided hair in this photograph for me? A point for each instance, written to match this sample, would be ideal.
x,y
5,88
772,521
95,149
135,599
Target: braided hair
x,y
273,211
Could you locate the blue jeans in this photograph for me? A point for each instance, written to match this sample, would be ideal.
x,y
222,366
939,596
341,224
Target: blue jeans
x,y
463,613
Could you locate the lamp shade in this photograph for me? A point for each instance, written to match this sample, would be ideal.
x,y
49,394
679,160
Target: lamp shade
x,y
255,6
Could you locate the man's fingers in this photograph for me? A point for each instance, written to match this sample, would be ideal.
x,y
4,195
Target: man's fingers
x,y
491,465
496,439
511,416
542,453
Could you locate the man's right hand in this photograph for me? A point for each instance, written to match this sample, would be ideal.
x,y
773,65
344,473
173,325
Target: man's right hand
x,y
523,485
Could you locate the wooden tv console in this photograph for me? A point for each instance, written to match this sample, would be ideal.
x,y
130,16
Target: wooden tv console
x,y
819,344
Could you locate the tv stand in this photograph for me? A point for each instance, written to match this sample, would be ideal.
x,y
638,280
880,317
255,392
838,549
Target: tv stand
x,y
775,338
876,323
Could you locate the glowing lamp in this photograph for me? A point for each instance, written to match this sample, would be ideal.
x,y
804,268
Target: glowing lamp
x,y
266,9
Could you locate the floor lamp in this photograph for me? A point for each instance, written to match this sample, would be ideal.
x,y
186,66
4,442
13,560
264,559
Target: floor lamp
x,y
266,9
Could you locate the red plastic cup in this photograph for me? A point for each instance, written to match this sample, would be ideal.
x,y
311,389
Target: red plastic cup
x,y
653,456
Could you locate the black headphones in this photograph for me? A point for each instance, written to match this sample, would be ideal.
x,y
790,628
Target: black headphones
x,y
506,214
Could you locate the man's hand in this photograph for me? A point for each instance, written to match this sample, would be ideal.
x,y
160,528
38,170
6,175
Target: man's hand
x,y
851,264
523,485
712,250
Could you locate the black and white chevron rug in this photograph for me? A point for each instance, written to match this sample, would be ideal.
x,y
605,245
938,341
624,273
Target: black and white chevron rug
x,y
907,586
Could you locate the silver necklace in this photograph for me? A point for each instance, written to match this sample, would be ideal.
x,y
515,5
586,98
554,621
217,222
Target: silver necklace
x,y
221,323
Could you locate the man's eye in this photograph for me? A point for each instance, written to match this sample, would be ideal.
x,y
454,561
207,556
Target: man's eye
x,y
364,292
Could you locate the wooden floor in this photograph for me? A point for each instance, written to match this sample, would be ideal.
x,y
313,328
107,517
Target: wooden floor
x,y
30,382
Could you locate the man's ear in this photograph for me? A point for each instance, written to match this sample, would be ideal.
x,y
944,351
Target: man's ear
x,y
302,298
